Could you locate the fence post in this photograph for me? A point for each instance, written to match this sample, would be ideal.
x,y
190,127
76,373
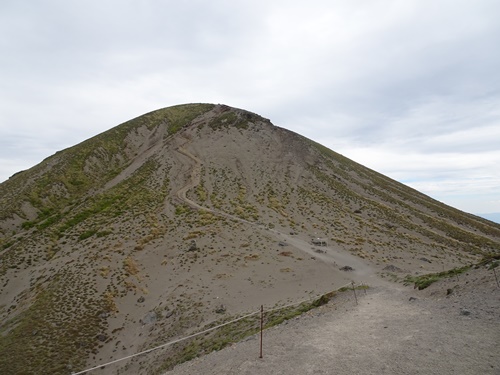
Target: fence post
x,y
496,278
261,327
354,290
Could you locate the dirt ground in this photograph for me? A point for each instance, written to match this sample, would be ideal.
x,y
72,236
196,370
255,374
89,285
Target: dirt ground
x,y
450,328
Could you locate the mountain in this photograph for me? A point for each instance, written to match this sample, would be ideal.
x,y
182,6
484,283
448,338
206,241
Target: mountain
x,y
191,215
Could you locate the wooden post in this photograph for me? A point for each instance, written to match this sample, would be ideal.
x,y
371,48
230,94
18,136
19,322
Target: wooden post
x,y
261,327
496,278
354,290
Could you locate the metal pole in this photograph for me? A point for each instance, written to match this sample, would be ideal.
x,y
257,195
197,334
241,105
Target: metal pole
x,y
354,290
261,327
496,278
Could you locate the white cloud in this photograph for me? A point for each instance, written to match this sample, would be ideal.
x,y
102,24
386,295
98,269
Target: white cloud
x,y
410,88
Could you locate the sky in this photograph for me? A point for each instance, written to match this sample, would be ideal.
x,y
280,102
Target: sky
x,y
408,88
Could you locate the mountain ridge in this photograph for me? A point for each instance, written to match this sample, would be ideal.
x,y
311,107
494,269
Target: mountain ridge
x,y
190,207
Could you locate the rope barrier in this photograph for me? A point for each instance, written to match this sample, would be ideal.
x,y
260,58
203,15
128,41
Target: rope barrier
x,y
199,333
164,345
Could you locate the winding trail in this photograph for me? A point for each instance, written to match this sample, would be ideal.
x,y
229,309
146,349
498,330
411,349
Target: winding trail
x,y
193,182
334,256
386,333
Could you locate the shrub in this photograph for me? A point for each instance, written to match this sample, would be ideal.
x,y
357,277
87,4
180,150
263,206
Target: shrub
x,y
423,281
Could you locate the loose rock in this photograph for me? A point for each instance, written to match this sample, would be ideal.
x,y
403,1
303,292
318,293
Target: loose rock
x,y
346,268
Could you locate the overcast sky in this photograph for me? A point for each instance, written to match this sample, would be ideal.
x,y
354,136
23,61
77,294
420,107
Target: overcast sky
x,y
410,88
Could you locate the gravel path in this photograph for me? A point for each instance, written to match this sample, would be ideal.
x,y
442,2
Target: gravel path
x,y
386,333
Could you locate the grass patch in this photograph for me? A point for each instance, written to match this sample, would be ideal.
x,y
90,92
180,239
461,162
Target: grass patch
x,y
87,234
236,331
423,281
490,261
130,266
54,335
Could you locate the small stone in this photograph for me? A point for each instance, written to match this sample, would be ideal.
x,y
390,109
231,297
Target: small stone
x,y
464,312
150,318
392,268
141,299
102,337
221,309
193,246
346,268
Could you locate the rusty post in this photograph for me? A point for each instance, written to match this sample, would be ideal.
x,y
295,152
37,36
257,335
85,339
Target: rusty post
x,y
354,290
261,327
496,278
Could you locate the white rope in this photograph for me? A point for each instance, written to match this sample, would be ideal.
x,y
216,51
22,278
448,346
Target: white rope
x,y
201,333
164,345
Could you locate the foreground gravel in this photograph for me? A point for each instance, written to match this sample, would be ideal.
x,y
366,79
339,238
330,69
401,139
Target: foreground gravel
x,y
393,330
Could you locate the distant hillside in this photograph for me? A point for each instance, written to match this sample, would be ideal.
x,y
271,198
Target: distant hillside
x,y
492,216
191,215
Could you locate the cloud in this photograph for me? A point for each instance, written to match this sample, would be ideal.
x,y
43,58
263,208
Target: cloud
x,y
409,88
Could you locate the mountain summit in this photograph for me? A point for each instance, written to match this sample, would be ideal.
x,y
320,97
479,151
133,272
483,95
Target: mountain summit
x,y
192,214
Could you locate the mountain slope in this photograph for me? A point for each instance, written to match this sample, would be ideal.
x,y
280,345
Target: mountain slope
x,y
139,234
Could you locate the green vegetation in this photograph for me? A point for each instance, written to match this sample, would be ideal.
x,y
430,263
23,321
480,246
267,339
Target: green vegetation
x,y
401,203
87,234
182,209
494,264
231,119
490,260
179,116
423,281
129,194
236,331
28,341
77,169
